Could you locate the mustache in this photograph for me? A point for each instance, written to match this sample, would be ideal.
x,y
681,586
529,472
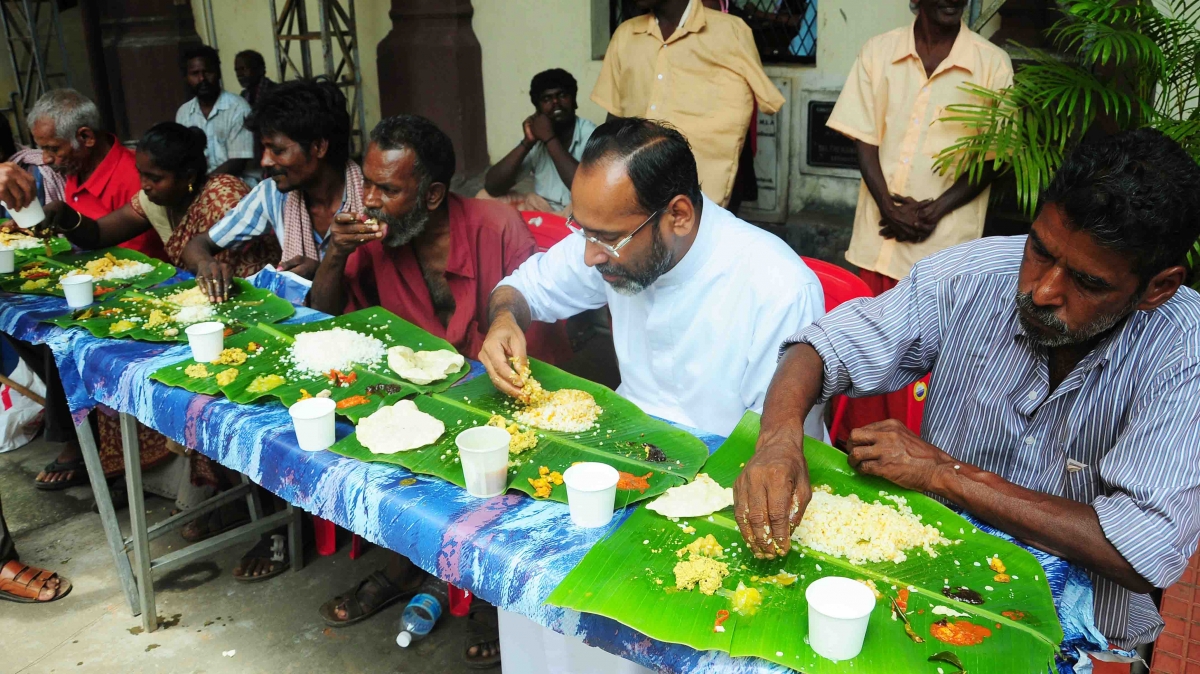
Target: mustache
x,y
1044,316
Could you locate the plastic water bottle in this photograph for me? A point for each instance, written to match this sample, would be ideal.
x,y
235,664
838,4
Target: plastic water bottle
x,y
422,613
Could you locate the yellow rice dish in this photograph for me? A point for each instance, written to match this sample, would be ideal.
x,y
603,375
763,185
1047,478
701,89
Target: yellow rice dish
x,y
861,532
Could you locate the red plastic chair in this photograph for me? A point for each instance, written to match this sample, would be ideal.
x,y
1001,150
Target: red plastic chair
x,y
547,228
839,285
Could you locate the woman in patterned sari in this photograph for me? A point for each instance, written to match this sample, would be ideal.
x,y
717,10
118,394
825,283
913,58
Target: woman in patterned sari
x,y
178,201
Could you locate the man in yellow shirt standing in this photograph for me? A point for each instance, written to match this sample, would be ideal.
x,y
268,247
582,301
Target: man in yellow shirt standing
x,y
897,90
696,69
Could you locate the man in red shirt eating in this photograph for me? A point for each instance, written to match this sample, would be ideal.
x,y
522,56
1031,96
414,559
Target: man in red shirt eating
x,y
100,172
432,258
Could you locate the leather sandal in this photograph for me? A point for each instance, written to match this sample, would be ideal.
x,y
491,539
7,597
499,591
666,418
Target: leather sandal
x,y
23,583
373,594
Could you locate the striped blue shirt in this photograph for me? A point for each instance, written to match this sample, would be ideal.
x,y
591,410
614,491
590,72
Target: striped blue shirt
x,y
1121,432
256,214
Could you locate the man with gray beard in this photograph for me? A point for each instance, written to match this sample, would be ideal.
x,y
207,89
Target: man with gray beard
x,y
426,255
1064,399
431,258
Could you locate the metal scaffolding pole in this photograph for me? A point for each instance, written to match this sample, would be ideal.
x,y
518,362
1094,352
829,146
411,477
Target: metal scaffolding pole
x,y
338,36
31,28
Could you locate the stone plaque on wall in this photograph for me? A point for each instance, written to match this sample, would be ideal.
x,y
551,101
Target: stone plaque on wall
x,y
827,147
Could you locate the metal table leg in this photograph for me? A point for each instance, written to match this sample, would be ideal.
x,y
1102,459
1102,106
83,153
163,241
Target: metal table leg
x,y
137,520
108,514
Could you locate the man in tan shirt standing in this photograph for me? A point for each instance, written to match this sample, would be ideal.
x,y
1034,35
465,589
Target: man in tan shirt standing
x,y
897,90
696,69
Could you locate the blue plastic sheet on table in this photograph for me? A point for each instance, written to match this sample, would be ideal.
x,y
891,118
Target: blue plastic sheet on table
x,y
510,550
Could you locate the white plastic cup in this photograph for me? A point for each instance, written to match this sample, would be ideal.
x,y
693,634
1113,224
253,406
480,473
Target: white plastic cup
x,y
29,217
838,612
591,493
8,260
483,452
207,340
79,290
313,420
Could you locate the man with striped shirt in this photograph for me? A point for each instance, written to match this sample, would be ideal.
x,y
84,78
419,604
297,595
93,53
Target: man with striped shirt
x,y
1064,404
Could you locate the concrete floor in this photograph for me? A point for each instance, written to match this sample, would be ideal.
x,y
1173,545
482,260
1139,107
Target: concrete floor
x,y
269,627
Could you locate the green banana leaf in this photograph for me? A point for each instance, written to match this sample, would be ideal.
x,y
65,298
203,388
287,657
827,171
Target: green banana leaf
x,y
618,439
246,306
629,577
275,341
58,246
59,265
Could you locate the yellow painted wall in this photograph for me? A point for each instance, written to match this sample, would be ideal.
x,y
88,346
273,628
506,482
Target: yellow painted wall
x,y
521,38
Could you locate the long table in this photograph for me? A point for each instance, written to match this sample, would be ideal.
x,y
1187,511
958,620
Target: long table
x,y
510,550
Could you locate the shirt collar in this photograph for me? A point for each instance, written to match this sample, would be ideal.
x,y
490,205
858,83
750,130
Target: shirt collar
x,y
960,56
98,181
702,248
461,262
222,103
692,21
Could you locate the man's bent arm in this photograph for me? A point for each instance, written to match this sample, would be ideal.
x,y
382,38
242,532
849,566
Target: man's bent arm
x,y
564,163
328,292
198,251
508,300
501,177
872,173
1057,525
232,167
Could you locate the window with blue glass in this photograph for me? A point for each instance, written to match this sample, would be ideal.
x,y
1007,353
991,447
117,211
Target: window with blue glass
x,y
785,31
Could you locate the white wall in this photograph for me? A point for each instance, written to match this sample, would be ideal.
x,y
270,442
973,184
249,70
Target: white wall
x,y
521,38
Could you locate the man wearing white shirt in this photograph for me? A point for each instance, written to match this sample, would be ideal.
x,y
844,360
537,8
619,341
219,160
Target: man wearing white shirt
x,y
700,300
220,115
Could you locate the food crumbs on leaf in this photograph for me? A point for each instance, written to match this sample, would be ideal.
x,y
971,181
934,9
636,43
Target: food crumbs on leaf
x,y
545,482
629,481
228,332
1015,616
961,633
231,356
722,616
266,382
964,594
902,599
1002,578
304,394
352,401
196,371
226,377
996,565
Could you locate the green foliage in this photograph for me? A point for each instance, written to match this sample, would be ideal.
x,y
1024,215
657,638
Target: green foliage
x,y
629,577
1123,65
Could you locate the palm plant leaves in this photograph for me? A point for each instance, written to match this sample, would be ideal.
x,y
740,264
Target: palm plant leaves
x,y
1135,64
629,577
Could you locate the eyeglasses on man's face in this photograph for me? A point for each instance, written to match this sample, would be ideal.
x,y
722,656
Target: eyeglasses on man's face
x,y
611,249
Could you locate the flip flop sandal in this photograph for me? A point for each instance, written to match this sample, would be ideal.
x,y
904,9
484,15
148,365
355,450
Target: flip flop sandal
x,y
483,629
369,597
80,476
276,545
226,518
23,584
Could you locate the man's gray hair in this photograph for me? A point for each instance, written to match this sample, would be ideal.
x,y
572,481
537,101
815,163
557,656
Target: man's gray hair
x,y
69,110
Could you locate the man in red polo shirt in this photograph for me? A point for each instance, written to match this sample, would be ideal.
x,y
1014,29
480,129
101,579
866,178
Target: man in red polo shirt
x,y
433,258
101,176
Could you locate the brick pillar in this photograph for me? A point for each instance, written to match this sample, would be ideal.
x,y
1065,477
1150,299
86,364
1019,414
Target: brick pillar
x,y
430,64
135,47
